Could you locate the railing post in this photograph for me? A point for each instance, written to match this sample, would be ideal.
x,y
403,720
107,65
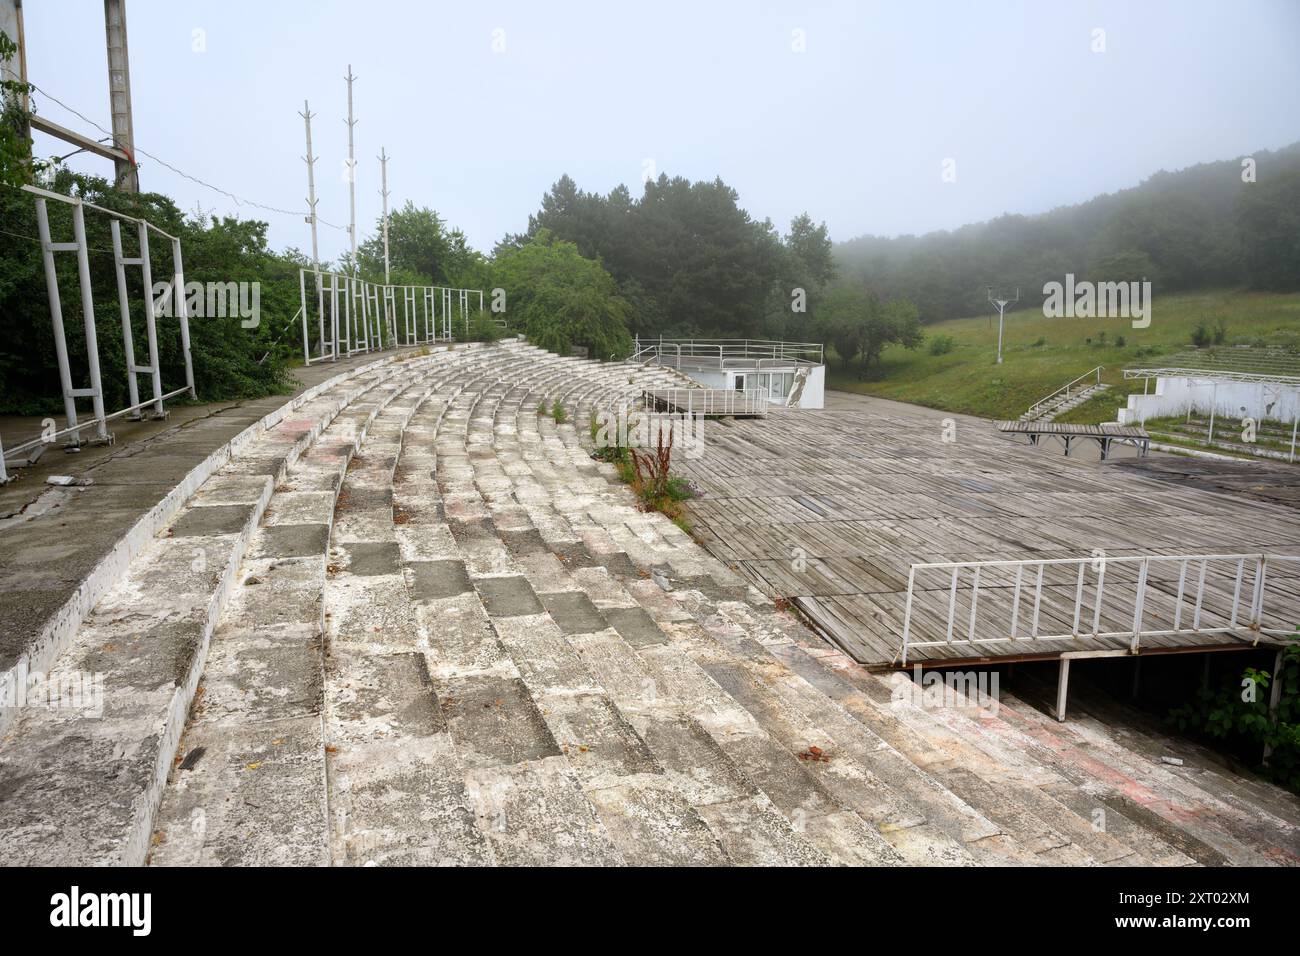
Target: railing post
x,y
124,307
1257,603
88,315
320,310
907,612
182,313
1137,604
151,321
302,299
334,312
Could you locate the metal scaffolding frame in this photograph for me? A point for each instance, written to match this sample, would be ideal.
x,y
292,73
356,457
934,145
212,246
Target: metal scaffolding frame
x,y
355,316
1214,376
100,417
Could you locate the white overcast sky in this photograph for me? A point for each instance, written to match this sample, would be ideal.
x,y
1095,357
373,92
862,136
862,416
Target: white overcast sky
x,y
854,129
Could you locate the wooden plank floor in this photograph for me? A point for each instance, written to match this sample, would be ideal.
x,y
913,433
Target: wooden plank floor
x,y
1081,431
830,508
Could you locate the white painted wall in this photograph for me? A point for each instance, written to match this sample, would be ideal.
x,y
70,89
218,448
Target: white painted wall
x,y
1178,395
814,393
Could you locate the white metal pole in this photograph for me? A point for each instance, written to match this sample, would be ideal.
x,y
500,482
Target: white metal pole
x,y
151,321
383,178
56,319
302,294
128,345
1214,398
352,175
182,314
310,160
1001,307
88,314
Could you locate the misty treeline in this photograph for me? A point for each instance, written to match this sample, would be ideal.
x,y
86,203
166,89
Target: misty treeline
x,y
1200,227
688,261
681,259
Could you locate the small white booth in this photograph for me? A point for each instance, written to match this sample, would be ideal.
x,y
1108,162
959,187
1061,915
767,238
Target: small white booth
x,y
788,374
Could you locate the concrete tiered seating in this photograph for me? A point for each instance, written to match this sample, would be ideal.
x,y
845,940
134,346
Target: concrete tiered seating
x,y
451,637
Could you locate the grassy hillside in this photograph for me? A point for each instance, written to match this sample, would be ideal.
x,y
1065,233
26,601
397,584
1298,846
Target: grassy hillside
x,y
1041,354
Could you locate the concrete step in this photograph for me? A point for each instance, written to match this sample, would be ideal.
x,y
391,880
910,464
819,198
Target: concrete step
x,y
87,788
455,639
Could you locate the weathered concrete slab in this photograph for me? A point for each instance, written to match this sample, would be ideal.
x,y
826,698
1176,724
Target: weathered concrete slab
x,y
509,596
494,721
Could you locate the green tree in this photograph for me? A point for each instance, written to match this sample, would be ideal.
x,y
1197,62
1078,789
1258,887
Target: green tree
x,y
1268,221
420,244
856,322
15,146
561,299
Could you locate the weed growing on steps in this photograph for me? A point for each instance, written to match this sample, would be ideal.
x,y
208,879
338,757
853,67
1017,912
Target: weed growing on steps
x,y
649,473
557,412
542,408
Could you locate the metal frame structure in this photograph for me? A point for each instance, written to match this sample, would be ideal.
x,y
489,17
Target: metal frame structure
x,y
1214,376
368,318
100,417
1210,373
1095,593
728,353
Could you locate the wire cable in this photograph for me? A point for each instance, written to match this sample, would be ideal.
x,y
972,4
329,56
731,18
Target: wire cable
x,y
238,200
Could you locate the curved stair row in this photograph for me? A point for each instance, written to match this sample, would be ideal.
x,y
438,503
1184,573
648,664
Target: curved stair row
x,y
421,625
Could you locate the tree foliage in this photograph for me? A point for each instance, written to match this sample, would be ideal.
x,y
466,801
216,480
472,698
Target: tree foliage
x,y
1200,227
689,260
561,299
855,322
15,147
422,250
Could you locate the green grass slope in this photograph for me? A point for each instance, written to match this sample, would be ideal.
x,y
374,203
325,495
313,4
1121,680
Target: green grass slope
x,y
1041,354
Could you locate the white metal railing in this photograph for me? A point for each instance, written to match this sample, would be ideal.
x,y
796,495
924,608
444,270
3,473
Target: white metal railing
x,y
1062,394
173,297
1211,374
352,315
712,402
725,353
1103,597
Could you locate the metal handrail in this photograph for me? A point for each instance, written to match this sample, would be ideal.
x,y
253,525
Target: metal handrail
x,y
1133,634
368,317
1210,374
1034,408
762,350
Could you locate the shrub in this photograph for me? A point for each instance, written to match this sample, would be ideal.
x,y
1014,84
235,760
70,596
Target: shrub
x,y
941,344
1220,332
1222,714
1201,336
482,328
1120,341
557,412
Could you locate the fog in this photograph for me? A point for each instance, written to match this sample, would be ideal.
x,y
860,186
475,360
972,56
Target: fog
x,y
853,112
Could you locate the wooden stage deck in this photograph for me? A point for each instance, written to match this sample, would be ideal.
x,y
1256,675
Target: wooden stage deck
x,y
1104,435
830,509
